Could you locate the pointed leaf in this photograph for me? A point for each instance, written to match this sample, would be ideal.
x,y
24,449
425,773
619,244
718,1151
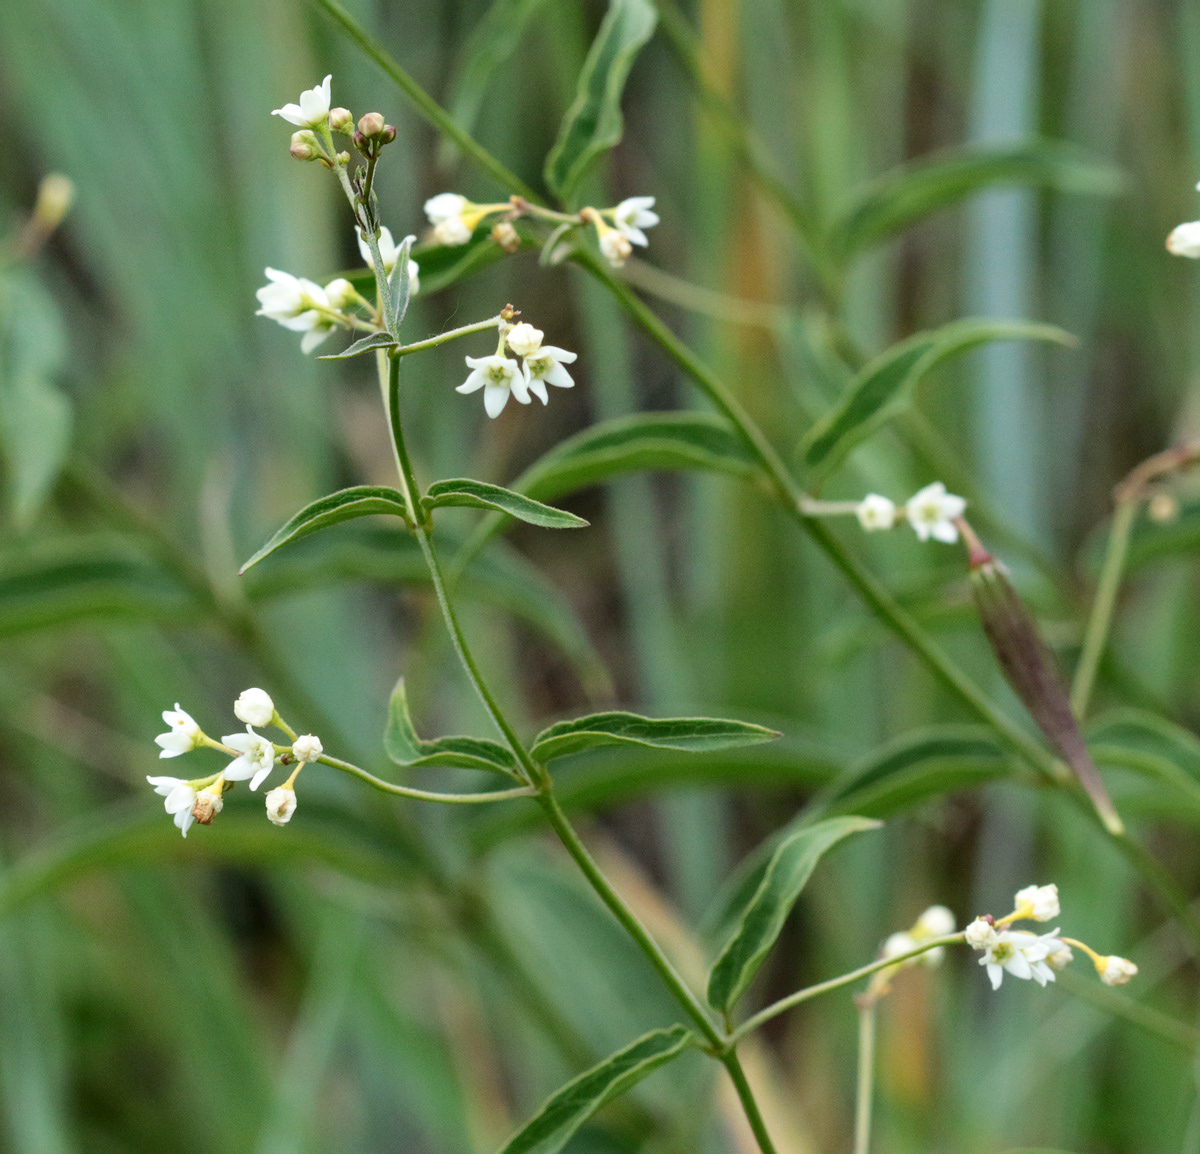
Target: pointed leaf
x,y
594,123
617,728
899,199
565,1111
786,874
885,386
404,747
481,495
344,505
367,344
399,285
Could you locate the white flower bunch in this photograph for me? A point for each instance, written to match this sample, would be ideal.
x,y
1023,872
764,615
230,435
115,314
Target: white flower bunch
x,y
930,511
629,219
253,759
500,376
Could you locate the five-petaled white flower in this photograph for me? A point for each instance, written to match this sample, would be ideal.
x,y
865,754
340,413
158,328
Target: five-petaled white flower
x,y
1184,240
254,707
256,757
875,512
497,376
313,109
545,367
1039,903
281,804
182,736
298,304
633,215
388,251
931,513
180,797
307,747
1022,954
1115,971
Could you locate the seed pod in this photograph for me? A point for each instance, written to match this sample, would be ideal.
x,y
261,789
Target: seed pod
x,y
1030,669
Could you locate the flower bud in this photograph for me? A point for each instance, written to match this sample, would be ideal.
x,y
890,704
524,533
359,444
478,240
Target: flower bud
x,y
506,236
616,247
388,134
208,803
307,747
305,146
1184,240
281,804
980,934
372,125
342,120
254,707
935,922
1115,971
1040,903
55,195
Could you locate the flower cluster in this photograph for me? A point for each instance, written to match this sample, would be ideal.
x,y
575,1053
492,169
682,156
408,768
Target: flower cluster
x,y
1039,957
253,759
499,375
931,512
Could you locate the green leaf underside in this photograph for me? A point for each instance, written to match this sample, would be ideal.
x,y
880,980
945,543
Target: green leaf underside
x,y
619,728
404,747
344,505
899,199
885,386
481,495
549,1130
593,124
367,344
786,874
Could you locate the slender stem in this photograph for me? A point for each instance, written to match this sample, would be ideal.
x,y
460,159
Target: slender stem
x,y
629,920
865,1092
448,335
424,794
746,1096
1100,621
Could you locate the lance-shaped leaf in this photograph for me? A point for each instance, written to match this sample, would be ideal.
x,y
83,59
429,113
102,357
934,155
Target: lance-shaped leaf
x,y
549,1130
344,505
898,199
885,386
786,875
367,344
1030,669
399,285
594,123
481,495
404,747
617,728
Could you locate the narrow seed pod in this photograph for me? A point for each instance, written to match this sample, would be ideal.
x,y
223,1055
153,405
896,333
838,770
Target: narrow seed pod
x,y
1029,667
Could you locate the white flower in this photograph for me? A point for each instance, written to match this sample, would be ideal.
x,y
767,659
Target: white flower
x,y
616,247
931,513
632,215
1022,954
389,250
1115,971
546,365
897,944
875,512
980,934
313,109
935,922
298,304
453,231
307,747
254,707
281,804
1184,240
257,757
1060,957
1038,902
444,206
209,803
182,736
497,376
524,339
341,294
180,797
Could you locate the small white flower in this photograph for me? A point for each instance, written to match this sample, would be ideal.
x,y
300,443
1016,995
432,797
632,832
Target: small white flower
x,y
389,250
875,512
298,304
256,760
1038,902
931,513
313,109
897,944
545,367
254,707
444,206
209,803
1022,954
616,247
453,231
182,736
1115,971
281,804
448,213
180,797
632,215
524,339
497,376
980,934
341,294
935,922
1184,240
1060,957
307,747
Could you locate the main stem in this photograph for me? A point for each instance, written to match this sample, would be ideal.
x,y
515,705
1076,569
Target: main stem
x,y
746,1096
865,1093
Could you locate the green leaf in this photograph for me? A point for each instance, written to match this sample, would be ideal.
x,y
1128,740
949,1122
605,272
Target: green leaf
x,y
344,505
399,286
365,344
786,874
481,495
1149,745
404,747
902,197
885,386
593,123
691,734
565,1111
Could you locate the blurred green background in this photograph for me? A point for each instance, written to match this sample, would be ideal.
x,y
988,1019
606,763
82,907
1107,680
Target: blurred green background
x,y
382,978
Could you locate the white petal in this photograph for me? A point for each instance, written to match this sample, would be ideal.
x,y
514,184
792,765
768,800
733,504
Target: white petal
x,y
635,236
560,378
474,382
495,397
520,387
996,974
538,389
313,338
260,776
945,531
558,354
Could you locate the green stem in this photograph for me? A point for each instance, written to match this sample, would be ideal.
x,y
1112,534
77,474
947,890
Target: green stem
x,y
424,794
1100,622
449,335
865,1093
746,1096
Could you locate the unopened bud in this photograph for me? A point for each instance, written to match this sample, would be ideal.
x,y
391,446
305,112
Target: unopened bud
x,y
506,236
55,195
342,120
305,146
616,247
388,134
372,125
208,804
